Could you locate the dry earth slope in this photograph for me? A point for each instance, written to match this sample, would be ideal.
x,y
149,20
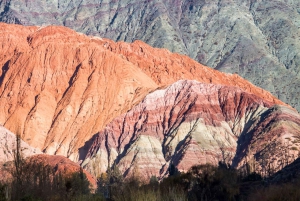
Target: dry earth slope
x,y
58,87
258,39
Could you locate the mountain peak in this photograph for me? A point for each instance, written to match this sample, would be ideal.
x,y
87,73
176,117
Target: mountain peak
x,y
64,87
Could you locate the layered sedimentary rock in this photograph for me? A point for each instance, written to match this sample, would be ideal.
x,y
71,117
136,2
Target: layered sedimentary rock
x,y
191,123
256,39
270,142
58,87
8,146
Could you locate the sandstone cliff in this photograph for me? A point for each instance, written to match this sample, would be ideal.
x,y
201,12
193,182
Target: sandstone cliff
x,y
58,87
259,40
191,123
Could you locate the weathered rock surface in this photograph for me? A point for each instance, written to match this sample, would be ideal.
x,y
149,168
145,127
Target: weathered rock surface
x,y
8,146
259,40
58,87
165,68
289,173
269,142
192,123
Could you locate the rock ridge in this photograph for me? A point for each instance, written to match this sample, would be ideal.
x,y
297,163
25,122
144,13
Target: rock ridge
x,y
58,87
192,123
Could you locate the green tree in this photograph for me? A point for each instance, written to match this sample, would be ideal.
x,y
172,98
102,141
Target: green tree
x,y
77,184
209,182
3,190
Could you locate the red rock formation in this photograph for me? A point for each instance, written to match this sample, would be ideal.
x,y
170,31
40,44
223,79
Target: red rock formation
x,y
270,142
62,165
190,123
58,87
165,68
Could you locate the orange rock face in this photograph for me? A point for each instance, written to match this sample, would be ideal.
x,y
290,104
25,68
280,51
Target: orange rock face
x,y
165,68
58,87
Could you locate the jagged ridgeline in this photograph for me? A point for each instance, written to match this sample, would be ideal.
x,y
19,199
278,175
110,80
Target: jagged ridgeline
x,y
259,40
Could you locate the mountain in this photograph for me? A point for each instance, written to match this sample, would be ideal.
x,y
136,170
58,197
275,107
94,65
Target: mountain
x,y
259,40
190,123
58,87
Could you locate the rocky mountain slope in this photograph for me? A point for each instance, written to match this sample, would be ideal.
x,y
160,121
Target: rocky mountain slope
x,y
58,87
191,123
258,39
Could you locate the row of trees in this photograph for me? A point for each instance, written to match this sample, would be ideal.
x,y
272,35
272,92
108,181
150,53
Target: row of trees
x,y
35,181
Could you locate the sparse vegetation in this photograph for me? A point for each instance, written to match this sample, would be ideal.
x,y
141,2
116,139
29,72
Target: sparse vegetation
x,y
32,180
35,181
202,182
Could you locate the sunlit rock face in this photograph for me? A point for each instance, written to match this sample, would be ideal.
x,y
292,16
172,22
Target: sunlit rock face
x,y
259,40
191,123
58,87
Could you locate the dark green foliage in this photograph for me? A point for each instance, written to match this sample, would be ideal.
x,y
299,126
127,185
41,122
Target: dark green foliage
x,y
213,183
252,177
3,188
202,182
277,192
205,182
154,181
35,181
77,184
29,198
110,182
